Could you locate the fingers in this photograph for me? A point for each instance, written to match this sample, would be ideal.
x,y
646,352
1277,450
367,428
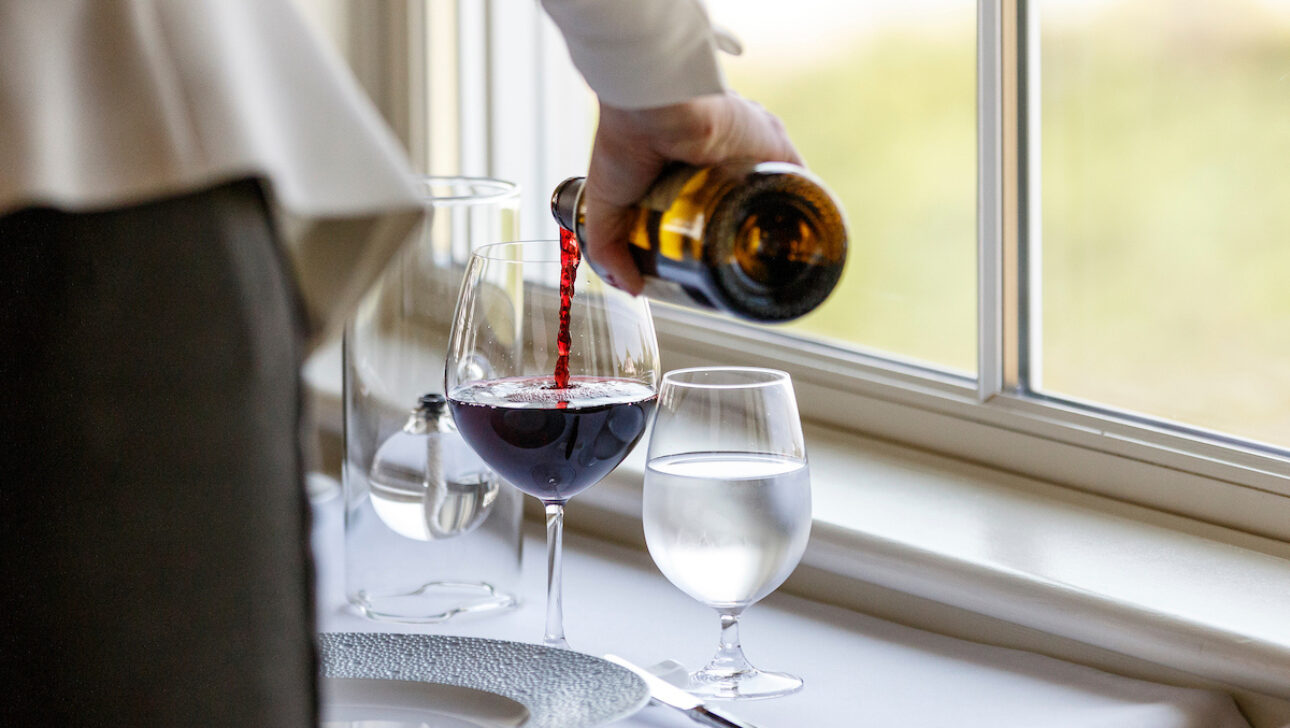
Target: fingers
x,y
763,136
714,129
605,244
631,149
623,165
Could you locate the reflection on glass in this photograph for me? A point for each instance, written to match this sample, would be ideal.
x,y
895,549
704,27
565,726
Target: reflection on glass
x,y
1166,205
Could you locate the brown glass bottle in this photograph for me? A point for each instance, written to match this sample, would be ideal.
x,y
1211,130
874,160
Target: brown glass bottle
x,y
763,241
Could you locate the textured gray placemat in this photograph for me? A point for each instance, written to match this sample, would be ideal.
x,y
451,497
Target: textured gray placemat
x,y
561,688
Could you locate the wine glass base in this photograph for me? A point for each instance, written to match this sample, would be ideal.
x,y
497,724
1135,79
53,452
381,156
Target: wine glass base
x,y
752,684
559,644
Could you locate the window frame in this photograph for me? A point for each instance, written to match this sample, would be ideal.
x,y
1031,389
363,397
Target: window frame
x,y
996,419
533,136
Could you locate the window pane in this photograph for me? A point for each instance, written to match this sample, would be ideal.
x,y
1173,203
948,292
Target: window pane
x,y
1166,210
880,98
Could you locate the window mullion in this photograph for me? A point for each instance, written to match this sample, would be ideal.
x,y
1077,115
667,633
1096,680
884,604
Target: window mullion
x,y
992,205
1029,207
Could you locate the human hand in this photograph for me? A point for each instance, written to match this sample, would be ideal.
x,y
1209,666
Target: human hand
x,y
632,147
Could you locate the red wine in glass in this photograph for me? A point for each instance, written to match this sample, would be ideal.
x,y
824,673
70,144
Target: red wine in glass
x,y
549,431
549,443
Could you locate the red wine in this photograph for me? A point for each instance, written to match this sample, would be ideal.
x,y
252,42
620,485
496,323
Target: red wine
x,y
569,257
552,443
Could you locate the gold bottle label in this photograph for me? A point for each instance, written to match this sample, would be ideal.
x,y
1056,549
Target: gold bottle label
x,y
669,231
673,214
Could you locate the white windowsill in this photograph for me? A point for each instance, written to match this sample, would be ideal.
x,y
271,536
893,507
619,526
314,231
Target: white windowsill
x,y
975,552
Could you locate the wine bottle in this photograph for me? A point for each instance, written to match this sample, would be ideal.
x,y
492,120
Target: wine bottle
x,y
763,241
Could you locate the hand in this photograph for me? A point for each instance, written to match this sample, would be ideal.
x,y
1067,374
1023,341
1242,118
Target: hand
x,y
633,145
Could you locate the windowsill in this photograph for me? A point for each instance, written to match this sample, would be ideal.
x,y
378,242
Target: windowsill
x,y
859,670
1121,578
978,553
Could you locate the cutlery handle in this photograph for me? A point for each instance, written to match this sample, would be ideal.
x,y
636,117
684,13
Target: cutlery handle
x,y
701,714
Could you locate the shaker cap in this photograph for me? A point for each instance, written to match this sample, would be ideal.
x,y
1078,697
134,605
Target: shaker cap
x,y
432,404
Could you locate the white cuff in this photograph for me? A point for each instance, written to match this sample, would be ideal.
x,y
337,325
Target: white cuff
x,y
642,53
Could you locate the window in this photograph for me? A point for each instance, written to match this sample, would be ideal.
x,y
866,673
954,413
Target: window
x,y
1065,220
881,100
1164,128
1086,114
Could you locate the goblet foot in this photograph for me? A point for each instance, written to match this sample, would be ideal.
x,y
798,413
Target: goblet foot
x,y
560,643
746,684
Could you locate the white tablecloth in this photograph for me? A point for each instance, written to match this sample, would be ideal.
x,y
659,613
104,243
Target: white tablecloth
x,y
859,670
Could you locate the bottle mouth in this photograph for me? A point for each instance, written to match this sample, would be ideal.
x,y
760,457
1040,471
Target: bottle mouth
x,y
564,202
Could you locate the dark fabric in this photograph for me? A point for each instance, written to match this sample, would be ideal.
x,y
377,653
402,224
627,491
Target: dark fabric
x,y
155,567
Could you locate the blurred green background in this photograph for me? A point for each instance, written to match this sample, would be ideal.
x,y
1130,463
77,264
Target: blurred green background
x,y
1165,192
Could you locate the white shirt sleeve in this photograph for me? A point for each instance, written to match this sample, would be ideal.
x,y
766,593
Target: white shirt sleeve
x,y
108,102
641,53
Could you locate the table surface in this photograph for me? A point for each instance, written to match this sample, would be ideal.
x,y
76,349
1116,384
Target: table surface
x,y
859,670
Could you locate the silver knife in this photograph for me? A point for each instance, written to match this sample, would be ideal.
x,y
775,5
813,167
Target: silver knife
x,y
668,694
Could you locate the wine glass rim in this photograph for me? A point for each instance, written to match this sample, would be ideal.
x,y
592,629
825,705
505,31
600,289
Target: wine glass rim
x,y
490,251
772,377
494,189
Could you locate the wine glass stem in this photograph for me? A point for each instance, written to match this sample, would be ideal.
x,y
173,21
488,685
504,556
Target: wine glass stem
x,y
554,597
730,658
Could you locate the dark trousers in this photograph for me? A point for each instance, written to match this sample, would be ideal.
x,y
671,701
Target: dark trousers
x,y
153,552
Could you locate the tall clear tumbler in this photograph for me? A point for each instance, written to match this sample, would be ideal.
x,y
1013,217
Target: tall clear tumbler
x,y
430,530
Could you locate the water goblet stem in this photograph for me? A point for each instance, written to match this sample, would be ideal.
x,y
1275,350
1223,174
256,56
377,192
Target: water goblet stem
x,y
729,659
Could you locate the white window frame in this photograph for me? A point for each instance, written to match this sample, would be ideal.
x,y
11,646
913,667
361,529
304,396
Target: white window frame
x,y
994,420
515,122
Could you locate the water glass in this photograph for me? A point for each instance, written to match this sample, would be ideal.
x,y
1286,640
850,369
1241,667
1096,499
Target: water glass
x,y
727,505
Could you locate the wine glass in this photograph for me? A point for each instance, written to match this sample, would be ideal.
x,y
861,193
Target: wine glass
x,y
727,505
526,320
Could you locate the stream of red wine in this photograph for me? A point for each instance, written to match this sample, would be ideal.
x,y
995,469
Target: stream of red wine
x,y
569,257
